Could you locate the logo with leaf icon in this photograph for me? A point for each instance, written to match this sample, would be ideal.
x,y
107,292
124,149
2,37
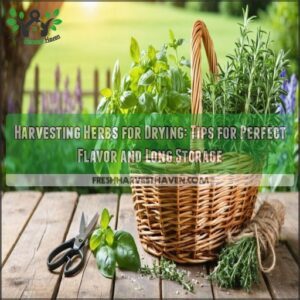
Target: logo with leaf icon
x,y
17,21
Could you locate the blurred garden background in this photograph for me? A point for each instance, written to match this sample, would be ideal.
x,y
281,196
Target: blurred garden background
x,y
96,34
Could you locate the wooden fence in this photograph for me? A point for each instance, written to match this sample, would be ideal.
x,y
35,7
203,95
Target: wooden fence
x,y
95,92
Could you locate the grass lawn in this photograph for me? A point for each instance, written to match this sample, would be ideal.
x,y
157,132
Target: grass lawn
x,y
96,34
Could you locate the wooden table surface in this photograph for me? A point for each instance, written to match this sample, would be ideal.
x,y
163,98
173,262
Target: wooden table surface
x,y
34,223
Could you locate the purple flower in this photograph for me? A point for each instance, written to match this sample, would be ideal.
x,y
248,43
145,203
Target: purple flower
x,y
289,100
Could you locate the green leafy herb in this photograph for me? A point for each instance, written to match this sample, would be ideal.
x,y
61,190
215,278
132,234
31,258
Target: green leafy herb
x,y
238,265
167,269
251,81
113,248
153,74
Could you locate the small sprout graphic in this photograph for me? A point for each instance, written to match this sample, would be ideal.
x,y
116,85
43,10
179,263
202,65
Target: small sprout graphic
x,y
21,15
13,12
56,12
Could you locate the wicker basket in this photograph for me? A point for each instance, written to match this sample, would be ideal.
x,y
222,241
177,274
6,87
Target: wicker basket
x,y
188,224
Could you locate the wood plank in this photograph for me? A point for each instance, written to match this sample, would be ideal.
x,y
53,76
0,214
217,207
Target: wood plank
x,y
131,285
290,229
89,283
25,273
198,275
283,281
17,208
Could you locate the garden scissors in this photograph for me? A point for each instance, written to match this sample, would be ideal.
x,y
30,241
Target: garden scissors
x,y
72,250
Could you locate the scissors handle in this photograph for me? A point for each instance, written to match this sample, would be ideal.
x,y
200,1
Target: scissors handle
x,y
71,268
66,254
59,255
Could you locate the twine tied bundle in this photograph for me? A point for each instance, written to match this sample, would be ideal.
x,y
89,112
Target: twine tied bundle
x,y
241,259
265,227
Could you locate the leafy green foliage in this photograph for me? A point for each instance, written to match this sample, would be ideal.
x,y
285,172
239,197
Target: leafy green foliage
x,y
167,270
155,77
113,248
238,265
251,82
283,17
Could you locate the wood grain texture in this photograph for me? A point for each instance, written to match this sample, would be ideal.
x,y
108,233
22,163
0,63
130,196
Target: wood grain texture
x,y
25,273
17,208
198,275
283,281
89,283
290,229
131,285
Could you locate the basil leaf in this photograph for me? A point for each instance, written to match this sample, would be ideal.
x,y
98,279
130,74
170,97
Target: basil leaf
x,y
135,73
105,218
127,255
151,53
95,239
109,236
146,103
162,103
172,36
106,261
147,78
135,50
116,77
128,99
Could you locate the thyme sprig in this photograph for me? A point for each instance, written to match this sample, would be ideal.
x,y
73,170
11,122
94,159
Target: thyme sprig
x,y
238,265
167,269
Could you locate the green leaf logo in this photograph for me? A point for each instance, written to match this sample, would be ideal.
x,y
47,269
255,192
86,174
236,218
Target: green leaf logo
x,y
47,15
56,12
57,21
13,12
21,15
53,27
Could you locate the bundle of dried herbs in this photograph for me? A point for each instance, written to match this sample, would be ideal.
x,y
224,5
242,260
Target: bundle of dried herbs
x,y
241,260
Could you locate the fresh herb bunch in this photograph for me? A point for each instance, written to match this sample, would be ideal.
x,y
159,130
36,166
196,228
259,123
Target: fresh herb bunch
x,y
113,248
238,265
167,269
158,81
251,82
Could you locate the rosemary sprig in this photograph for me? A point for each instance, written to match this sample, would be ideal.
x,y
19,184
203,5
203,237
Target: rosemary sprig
x,y
238,265
167,269
251,82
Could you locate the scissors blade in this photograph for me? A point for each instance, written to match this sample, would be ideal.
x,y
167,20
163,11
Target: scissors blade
x,y
82,224
91,226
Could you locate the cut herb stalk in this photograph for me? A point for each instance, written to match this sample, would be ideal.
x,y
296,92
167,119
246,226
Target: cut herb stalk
x,y
240,261
167,269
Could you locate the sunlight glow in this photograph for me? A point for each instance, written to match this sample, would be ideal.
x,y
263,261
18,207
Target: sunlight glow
x,y
89,4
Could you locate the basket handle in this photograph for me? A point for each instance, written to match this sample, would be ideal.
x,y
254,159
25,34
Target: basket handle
x,y
199,33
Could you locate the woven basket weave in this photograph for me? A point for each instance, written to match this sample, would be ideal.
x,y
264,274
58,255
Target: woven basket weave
x,y
188,224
